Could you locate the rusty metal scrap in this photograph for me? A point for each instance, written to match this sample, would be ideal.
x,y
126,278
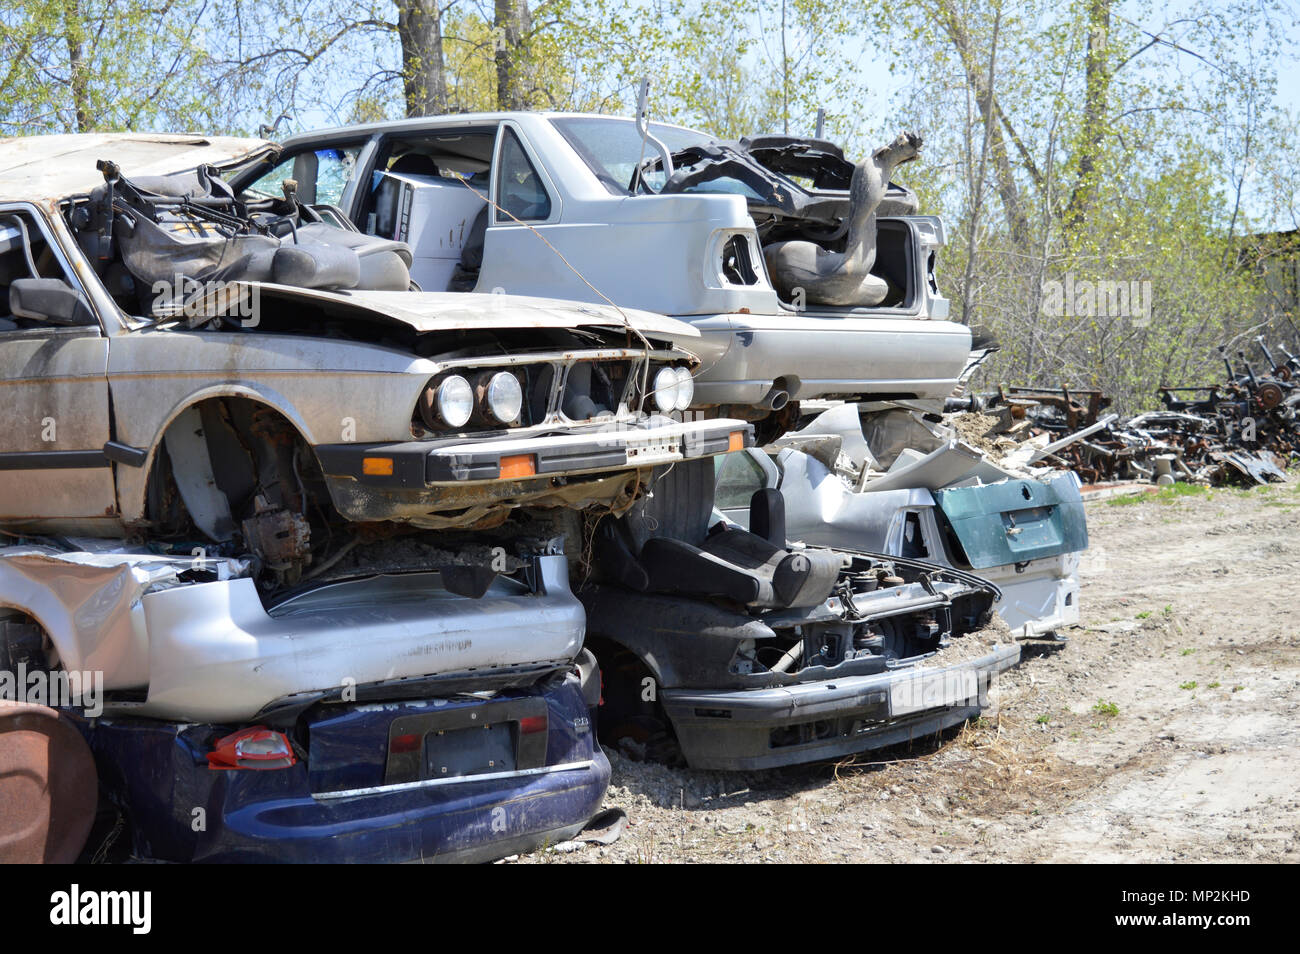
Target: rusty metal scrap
x,y
1245,429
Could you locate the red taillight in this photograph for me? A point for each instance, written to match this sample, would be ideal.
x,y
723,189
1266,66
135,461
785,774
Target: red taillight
x,y
530,724
403,743
254,748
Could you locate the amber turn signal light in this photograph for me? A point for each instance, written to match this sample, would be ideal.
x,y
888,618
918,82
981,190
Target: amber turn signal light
x,y
518,465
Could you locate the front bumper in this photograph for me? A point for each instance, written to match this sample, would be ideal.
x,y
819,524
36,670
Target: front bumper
x,y
575,450
765,728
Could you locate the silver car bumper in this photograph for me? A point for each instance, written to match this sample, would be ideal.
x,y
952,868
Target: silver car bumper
x,y
823,355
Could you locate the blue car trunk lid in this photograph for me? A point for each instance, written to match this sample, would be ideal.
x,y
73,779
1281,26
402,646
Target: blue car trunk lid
x,y
391,743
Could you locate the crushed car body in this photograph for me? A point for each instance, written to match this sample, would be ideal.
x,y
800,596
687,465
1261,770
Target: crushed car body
x,y
190,638
737,650
456,779
298,435
664,221
230,402
375,716
1024,532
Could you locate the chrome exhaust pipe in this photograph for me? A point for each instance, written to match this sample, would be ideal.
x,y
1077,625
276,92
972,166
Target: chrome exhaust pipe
x,y
775,400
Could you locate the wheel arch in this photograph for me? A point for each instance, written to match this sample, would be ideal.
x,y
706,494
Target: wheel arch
x,y
133,482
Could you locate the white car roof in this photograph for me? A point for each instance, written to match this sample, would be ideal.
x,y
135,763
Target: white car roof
x,y
431,122
42,168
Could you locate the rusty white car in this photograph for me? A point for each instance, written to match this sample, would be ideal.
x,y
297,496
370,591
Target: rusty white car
x,y
808,276
258,377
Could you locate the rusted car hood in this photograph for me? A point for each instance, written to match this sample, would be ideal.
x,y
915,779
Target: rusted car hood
x,y
41,168
458,311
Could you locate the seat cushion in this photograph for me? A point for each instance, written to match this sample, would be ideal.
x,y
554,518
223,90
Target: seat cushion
x,y
738,565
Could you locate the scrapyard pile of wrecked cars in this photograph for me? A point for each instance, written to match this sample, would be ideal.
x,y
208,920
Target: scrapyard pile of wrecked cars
x,y
1245,430
354,487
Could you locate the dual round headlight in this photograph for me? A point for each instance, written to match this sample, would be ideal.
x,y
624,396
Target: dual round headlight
x,y
674,389
503,397
453,400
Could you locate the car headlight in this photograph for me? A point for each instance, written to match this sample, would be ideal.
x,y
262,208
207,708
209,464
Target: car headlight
x,y
665,389
685,389
504,397
453,401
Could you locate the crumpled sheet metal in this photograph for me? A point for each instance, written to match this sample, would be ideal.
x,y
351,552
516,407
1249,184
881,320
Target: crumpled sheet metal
x,y
823,509
898,449
1243,429
89,603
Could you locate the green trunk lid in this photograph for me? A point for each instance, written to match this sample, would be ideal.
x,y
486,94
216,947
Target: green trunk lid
x,y
1016,520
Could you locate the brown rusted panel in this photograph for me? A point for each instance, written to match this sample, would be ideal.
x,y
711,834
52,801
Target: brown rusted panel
x,y
48,786
484,504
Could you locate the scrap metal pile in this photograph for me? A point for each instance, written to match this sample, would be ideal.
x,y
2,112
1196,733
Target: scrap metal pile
x,y
363,567
1245,429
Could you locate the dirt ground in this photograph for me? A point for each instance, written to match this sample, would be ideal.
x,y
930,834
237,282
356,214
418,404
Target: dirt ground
x,y
1165,729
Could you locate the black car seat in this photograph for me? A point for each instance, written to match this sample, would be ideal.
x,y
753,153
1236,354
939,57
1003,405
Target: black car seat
x,y
465,276
192,225
665,545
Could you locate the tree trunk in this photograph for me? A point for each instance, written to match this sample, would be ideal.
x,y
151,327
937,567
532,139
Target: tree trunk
x,y
74,32
424,82
511,23
991,117
1096,99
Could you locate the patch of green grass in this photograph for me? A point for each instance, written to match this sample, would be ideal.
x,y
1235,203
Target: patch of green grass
x,y
1187,685
1238,688
1105,708
1168,610
1146,614
1213,685
1043,719
1187,652
1166,495
1127,500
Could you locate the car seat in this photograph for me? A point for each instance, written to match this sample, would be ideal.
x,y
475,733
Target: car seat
x,y
665,545
465,278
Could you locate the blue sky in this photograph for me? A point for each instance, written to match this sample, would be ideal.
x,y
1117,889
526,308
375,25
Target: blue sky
x,y
885,87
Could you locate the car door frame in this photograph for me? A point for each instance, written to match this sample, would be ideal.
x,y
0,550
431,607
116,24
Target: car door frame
x,y
771,481
374,148
499,219
74,485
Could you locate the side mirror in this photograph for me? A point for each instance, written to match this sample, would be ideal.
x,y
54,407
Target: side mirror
x,y
48,299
